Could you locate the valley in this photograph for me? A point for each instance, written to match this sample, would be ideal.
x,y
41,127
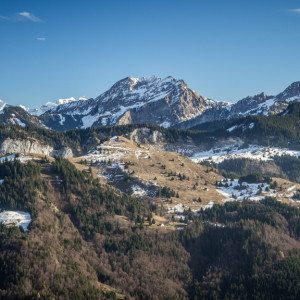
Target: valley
x,y
260,153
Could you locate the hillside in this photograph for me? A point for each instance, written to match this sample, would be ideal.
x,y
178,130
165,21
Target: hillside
x,y
147,172
72,214
87,241
77,246
17,115
137,211
246,249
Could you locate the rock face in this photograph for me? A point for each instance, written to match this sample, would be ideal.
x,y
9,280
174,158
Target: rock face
x,y
146,136
32,146
25,147
220,111
165,102
65,152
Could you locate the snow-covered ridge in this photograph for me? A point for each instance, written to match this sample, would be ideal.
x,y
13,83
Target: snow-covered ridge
x,y
265,105
218,155
260,104
52,105
63,101
133,100
234,190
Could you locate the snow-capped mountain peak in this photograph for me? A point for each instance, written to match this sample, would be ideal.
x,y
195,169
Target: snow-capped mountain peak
x,y
64,101
162,101
291,93
53,105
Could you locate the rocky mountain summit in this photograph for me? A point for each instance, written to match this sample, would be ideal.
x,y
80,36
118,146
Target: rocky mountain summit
x,y
161,101
261,104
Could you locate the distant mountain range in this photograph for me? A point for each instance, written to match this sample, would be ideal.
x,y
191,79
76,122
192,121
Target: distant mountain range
x,y
261,104
167,102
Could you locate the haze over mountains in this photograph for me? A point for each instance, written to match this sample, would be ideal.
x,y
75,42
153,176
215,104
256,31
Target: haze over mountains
x,y
167,102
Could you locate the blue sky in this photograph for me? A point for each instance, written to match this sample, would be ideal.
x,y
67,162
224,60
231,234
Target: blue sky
x,y
223,49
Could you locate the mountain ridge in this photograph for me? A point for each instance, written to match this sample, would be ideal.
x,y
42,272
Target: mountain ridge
x,y
260,104
162,101
166,102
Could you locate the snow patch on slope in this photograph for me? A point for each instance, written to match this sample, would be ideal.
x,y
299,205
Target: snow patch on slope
x,y
138,191
62,119
52,105
11,218
234,191
218,155
165,124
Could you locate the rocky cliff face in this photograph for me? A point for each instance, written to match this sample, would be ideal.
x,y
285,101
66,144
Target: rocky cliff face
x,y
220,111
147,136
25,147
64,152
32,146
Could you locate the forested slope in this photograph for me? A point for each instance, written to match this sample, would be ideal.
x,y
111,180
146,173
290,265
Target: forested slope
x,y
88,241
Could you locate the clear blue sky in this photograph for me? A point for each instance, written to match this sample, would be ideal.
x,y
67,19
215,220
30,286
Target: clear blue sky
x,y
225,50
